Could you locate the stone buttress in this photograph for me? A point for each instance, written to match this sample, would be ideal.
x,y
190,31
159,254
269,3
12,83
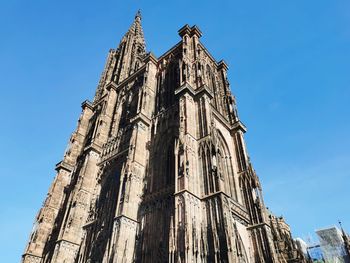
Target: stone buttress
x,y
157,169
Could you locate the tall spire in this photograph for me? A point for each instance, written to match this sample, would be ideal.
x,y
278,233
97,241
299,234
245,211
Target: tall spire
x,y
126,59
135,31
132,49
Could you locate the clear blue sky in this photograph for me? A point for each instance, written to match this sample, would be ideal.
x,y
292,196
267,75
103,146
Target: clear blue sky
x,y
289,69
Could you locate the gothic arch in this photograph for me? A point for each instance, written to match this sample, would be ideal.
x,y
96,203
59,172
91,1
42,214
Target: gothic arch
x,y
215,165
209,77
240,248
163,174
225,167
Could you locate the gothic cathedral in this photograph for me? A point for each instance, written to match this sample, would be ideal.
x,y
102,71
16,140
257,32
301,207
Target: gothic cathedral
x,y
157,169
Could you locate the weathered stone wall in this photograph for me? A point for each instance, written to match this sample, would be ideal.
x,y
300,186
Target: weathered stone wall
x,y
157,169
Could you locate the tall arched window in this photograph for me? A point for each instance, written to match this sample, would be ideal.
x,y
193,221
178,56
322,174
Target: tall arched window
x,y
215,166
204,170
170,175
209,77
225,167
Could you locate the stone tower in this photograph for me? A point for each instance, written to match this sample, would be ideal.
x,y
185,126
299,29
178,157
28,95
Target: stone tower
x,y
157,169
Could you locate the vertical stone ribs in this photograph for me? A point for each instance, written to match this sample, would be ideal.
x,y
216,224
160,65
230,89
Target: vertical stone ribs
x,y
157,169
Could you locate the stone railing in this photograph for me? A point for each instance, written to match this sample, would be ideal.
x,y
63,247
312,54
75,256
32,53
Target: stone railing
x,y
111,147
239,210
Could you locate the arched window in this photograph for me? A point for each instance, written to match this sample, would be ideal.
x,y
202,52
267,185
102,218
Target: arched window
x,y
170,175
184,72
185,40
209,78
122,193
199,49
215,166
204,170
209,172
225,166
242,190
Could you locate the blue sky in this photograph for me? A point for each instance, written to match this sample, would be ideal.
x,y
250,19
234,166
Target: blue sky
x,y
289,69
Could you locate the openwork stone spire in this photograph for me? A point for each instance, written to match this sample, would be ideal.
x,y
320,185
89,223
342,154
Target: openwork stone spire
x,y
132,49
157,169
126,59
135,32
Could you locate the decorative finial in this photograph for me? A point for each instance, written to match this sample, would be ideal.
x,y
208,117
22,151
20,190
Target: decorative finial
x,y
138,14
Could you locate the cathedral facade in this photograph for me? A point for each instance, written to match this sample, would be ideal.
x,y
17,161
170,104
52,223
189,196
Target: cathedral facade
x,y
157,169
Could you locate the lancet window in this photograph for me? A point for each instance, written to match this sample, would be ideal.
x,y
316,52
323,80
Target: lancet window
x,y
216,167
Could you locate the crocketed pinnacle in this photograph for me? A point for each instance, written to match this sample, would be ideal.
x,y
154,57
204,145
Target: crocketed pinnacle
x,y
135,32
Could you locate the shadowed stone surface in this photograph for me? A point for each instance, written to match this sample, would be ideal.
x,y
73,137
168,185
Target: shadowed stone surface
x,y
157,169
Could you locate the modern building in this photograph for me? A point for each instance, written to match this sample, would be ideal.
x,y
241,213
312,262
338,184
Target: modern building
x,y
315,253
157,169
334,245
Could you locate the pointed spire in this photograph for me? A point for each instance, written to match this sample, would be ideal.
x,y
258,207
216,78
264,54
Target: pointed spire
x,y
136,30
138,15
132,50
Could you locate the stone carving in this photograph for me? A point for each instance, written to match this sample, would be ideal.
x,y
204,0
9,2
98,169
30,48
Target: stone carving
x,y
49,215
153,166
